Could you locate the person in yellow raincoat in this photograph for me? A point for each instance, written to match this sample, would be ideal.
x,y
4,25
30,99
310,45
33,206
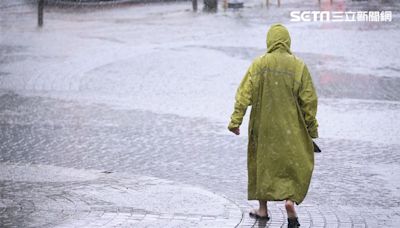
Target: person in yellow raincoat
x,y
280,154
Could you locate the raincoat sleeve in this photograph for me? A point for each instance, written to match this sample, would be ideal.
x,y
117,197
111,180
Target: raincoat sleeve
x,y
308,102
243,99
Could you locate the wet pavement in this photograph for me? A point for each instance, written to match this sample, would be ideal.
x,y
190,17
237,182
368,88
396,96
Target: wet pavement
x,y
117,117
89,198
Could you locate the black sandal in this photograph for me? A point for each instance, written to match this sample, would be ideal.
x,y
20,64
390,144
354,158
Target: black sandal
x,y
293,223
253,214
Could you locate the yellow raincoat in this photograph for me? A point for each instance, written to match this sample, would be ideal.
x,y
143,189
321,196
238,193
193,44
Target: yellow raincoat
x,y
280,90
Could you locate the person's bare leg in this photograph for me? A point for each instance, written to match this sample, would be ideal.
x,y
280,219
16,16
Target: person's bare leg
x,y
291,212
262,210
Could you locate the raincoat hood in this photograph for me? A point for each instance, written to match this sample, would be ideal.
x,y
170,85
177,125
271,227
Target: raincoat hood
x,y
278,38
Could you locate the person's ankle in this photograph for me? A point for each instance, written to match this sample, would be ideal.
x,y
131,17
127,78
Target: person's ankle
x,y
262,211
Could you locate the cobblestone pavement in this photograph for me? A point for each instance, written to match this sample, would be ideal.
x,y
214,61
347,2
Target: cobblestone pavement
x,y
349,186
86,198
99,118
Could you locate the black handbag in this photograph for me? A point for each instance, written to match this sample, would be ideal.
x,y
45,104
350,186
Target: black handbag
x,y
316,148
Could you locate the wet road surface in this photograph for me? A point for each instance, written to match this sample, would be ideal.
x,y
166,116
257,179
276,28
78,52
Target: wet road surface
x,y
147,91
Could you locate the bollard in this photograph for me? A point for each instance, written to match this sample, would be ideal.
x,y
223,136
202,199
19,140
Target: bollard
x,y
278,2
210,5
40,12
194,3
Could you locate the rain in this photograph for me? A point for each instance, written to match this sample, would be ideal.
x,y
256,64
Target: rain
x,y
114,113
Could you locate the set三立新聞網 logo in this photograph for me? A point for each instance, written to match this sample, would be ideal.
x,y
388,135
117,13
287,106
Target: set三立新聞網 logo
x,y
341,16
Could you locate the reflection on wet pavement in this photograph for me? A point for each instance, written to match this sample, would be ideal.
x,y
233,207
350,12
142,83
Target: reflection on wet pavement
x,y
148,90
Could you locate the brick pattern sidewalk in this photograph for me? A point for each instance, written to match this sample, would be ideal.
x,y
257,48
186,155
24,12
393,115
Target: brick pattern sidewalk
x,y
106,200
348,189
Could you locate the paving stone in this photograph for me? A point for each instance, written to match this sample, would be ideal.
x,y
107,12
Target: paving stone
x,y
123,207
71,157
